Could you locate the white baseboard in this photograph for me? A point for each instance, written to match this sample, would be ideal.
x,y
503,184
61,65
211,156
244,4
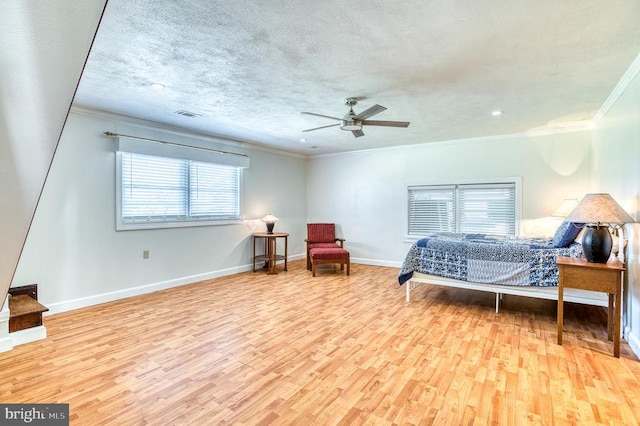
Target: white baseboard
x,y
633,340
376,262
6,342
97,299
28,335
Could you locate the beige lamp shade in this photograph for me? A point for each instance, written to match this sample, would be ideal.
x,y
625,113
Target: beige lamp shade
x,y
565,208
599,208
270,219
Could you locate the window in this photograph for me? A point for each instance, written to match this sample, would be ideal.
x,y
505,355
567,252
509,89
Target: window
x,y
488,208
156,191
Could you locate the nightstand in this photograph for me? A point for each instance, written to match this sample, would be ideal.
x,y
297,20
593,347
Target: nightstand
x,y
604,277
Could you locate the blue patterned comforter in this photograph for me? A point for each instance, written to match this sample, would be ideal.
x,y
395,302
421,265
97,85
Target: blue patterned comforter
x,y
484,258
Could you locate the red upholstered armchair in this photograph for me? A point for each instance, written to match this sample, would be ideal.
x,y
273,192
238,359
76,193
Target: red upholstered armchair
x,y
321,235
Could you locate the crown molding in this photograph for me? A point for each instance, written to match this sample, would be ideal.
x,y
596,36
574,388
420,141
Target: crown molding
x,y
621,87
153,125
491,138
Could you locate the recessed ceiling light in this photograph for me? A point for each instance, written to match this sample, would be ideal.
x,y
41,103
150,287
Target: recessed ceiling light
x,y
497,113
157,86
303,140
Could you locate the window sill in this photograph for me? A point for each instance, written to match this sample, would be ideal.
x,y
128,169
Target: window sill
x,y
173,224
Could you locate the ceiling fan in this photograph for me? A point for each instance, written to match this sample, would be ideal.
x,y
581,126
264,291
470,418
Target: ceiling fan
x,y
353,122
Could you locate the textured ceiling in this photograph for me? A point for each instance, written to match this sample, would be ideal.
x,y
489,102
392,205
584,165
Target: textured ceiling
x,y
250,67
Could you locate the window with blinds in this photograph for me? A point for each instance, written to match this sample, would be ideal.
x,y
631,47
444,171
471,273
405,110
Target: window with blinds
x,y
487,208
160,191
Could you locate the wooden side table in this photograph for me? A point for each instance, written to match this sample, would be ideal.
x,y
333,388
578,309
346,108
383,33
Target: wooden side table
x,y
604,277
270,255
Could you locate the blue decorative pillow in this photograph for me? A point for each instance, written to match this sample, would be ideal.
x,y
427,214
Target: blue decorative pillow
x,y
566,234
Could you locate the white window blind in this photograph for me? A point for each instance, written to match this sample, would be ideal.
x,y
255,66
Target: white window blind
x,y
153,188
163,192
483,208
214,191
487,209
432,209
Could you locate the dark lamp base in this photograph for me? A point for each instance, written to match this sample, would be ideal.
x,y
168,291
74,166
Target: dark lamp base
x,y
270,228
597,243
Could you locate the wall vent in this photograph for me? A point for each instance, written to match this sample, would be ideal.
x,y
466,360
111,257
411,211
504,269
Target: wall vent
x,y
188,113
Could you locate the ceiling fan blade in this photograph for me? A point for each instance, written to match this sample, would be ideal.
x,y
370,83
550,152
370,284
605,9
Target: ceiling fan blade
x,y
386,123
357,133
320,115
369,112
323,127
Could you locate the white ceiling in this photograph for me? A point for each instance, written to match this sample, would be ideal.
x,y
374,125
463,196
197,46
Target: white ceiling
x,y
250,67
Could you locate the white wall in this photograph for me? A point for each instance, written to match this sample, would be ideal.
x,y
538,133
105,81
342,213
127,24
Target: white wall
x,y
75,254
43,47
365,192
616,170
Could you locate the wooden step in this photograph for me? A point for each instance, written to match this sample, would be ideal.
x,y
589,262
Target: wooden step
x,y
24,309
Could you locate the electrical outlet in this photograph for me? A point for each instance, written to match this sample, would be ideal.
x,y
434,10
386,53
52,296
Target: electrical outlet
x,y
145,254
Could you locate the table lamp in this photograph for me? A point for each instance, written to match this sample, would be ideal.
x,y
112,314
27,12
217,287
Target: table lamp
x,y
598,212
270,220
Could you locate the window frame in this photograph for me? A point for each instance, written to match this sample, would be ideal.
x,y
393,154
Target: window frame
x,y
182,153
516,181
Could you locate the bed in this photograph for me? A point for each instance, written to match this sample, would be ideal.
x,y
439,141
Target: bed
x,y
496,264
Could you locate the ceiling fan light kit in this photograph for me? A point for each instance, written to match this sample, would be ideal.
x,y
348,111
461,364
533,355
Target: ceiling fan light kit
x,y
350,125
353,122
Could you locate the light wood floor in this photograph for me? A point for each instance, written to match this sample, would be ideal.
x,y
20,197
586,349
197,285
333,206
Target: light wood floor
x,y
291,349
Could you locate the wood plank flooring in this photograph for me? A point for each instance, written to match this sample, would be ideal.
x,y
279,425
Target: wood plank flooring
x,y
253,349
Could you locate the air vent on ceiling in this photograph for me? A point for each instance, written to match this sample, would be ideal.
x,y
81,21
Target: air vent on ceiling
x,y
188,113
